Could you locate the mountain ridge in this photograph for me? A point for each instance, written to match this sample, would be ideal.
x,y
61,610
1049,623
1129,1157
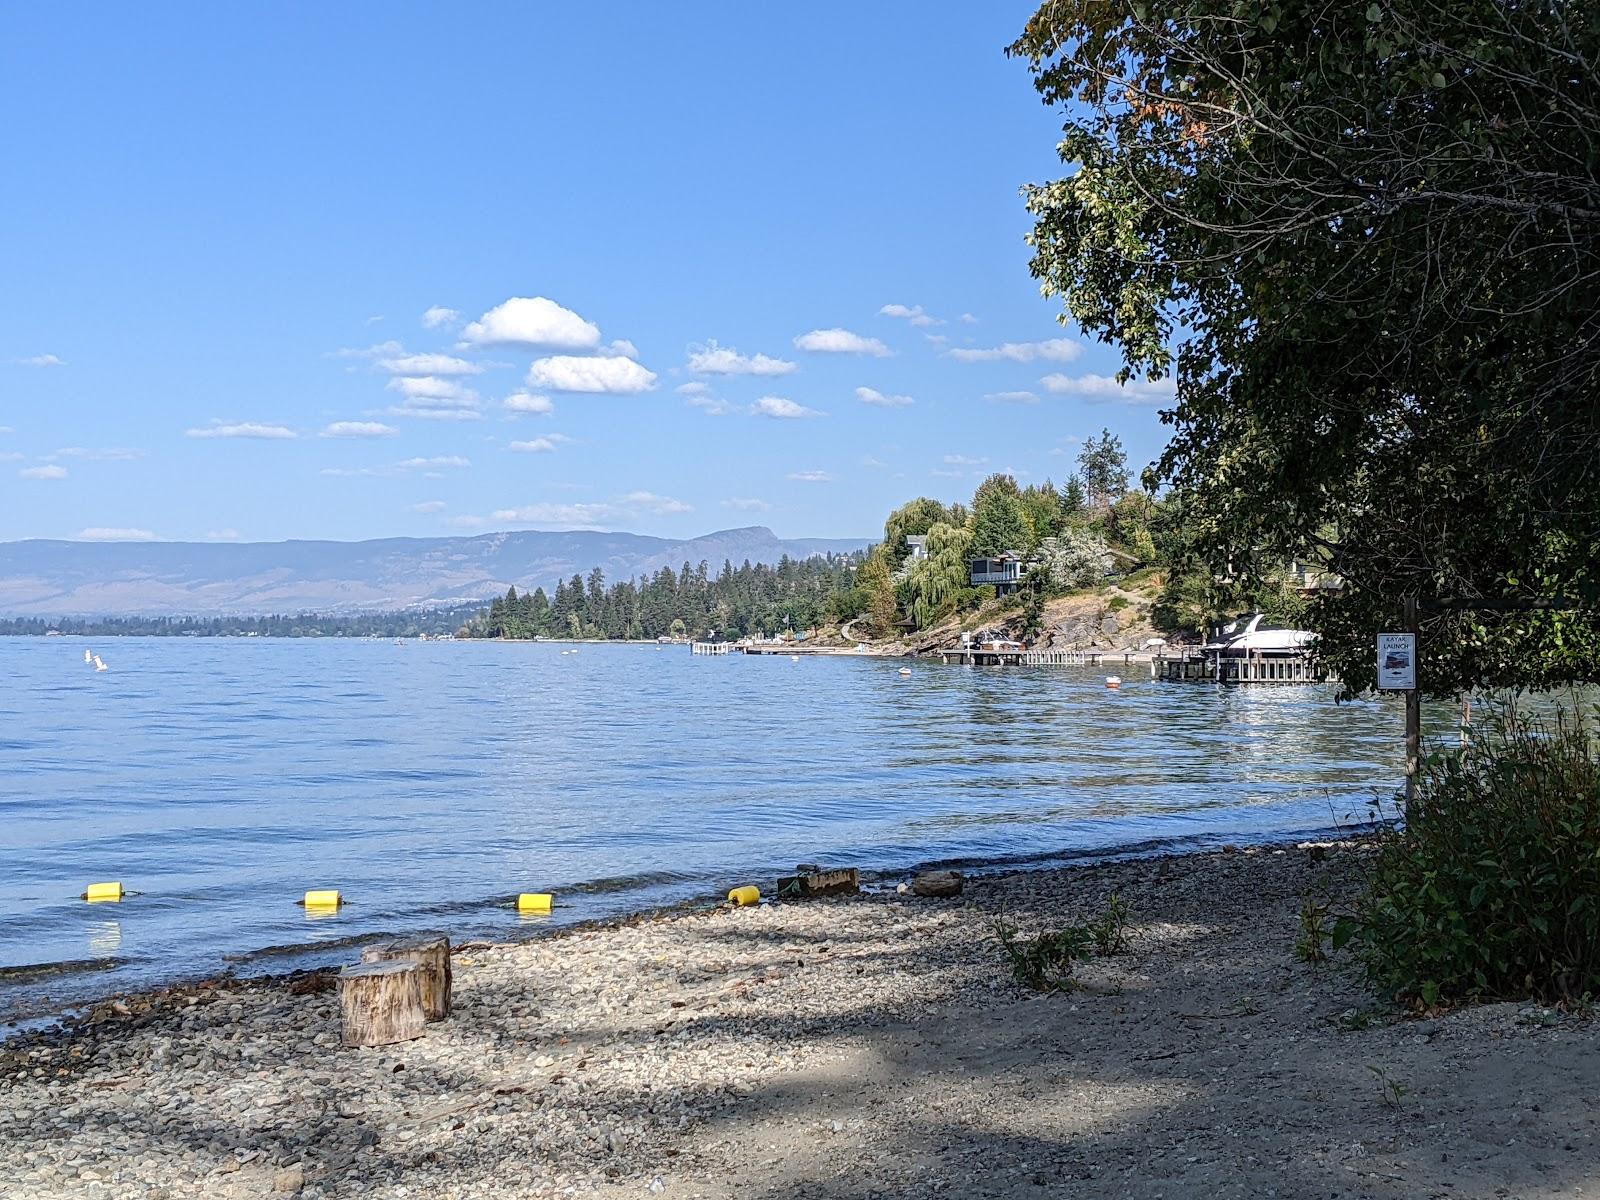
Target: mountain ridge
x,y
58,578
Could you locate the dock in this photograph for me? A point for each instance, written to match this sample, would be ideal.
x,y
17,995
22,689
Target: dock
x,y
978,656
1249,668
710,647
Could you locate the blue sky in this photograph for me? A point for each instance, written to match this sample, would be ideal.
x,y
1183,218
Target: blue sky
x,y
335,271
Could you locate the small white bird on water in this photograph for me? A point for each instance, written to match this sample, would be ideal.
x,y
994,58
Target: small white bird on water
x,y
88,656
794,658
99,665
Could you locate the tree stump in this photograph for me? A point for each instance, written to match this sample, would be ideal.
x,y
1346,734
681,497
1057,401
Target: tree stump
x,y
381,1002
431,952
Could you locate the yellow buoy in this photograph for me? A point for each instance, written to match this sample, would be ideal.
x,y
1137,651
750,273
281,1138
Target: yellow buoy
x,y
535,902
323,898
103,893
744,896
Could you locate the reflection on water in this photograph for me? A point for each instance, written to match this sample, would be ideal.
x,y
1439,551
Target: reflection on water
x,y
221,779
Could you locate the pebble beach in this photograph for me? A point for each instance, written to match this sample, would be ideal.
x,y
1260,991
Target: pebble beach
x,y
866,1046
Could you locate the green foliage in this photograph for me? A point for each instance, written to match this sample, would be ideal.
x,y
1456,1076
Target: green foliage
x,y
999,520
1074,559
1104,468
878,590
1492,887
912,518
936,586
1364,240
1390,1090
751,599
1045,962
1315,931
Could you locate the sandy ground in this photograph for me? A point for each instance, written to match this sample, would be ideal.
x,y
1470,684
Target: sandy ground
x,y
865,1047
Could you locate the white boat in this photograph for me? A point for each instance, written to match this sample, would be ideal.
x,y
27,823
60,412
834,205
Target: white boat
x,y
1255,635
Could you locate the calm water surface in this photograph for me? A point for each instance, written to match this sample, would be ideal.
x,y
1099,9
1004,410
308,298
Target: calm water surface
x,y
220,779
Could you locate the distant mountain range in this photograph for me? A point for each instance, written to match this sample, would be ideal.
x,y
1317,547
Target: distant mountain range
x,y
57,578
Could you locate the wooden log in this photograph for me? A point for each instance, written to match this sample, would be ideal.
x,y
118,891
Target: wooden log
x,y
938,884
381,1003
817,882
431,951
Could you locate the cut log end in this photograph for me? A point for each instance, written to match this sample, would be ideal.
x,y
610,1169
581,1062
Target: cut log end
x,y
431,952
381,1002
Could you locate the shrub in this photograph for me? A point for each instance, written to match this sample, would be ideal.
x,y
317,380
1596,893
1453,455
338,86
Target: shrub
x,y
1492,887
1073,560
1045,962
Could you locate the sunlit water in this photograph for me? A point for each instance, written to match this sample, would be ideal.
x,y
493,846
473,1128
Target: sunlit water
x,y
220,779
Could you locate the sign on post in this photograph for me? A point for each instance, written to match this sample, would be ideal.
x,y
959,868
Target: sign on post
x,y
1397,662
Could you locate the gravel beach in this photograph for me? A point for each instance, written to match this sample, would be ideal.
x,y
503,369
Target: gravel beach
x,y
857,1047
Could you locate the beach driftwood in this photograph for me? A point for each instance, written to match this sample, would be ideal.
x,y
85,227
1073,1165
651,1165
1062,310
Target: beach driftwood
x,y
432,953
382,1002
938,883
814,882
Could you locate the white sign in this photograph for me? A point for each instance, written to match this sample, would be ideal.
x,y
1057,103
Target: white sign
x,y
1397,662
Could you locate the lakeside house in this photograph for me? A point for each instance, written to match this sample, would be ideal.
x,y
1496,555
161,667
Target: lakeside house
x,y
919,545
1003,571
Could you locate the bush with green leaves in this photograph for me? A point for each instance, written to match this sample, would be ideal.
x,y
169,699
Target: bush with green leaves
x,y
1491,889
1073,559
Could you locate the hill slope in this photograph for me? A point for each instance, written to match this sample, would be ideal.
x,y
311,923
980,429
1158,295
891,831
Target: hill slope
x,y
58,578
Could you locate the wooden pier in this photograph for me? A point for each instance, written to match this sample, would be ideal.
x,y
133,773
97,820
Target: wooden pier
x,y
1248,668
979,656
710,647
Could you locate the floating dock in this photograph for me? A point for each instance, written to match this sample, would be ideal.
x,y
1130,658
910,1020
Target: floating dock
x,y
978,656
1246,668
710,647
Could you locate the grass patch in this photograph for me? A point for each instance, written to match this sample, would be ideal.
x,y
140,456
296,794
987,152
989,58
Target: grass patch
x,y
1046,962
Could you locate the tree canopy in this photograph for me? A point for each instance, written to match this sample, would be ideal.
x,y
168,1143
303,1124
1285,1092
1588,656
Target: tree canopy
x,y
1365,237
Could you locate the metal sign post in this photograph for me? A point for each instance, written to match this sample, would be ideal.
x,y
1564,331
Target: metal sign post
x,y
1397,672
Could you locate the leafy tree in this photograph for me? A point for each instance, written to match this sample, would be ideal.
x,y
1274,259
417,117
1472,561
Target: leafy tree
x,y
1000,522
912,518
1074,559
1104,468
874,581
1041,506
934,585
1365,238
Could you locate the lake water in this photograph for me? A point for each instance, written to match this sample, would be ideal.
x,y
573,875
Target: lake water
x,y
219,779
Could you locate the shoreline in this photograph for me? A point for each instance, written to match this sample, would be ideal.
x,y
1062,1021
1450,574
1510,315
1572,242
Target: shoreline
x,y
871,1045
23,1016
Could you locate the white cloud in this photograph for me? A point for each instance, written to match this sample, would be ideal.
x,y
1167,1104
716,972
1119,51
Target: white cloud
x,y
429,506
1054,350
6,429
439,317
359,429
746,504
621,348
872,396
870,461
430,387
968,319
223,535
841,341
429,465
913,314
540,445
244,429
434,410
709,404
693,388
527,402
50,472
961,460
1101,389
532,321
782,409
109,455
382,350
12,456
577,516
1011,398
947,473
41,360
102,534
712,359
428,364
566,373
810,476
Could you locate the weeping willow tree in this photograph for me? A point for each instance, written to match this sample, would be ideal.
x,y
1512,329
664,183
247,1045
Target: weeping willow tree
x,y
930,586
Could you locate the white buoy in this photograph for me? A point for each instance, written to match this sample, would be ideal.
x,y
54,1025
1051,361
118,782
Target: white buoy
x,y
905,670
1113,681
794,658
98,665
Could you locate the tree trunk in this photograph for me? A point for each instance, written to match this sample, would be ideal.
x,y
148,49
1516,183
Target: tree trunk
x,y
432,953
381,1002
